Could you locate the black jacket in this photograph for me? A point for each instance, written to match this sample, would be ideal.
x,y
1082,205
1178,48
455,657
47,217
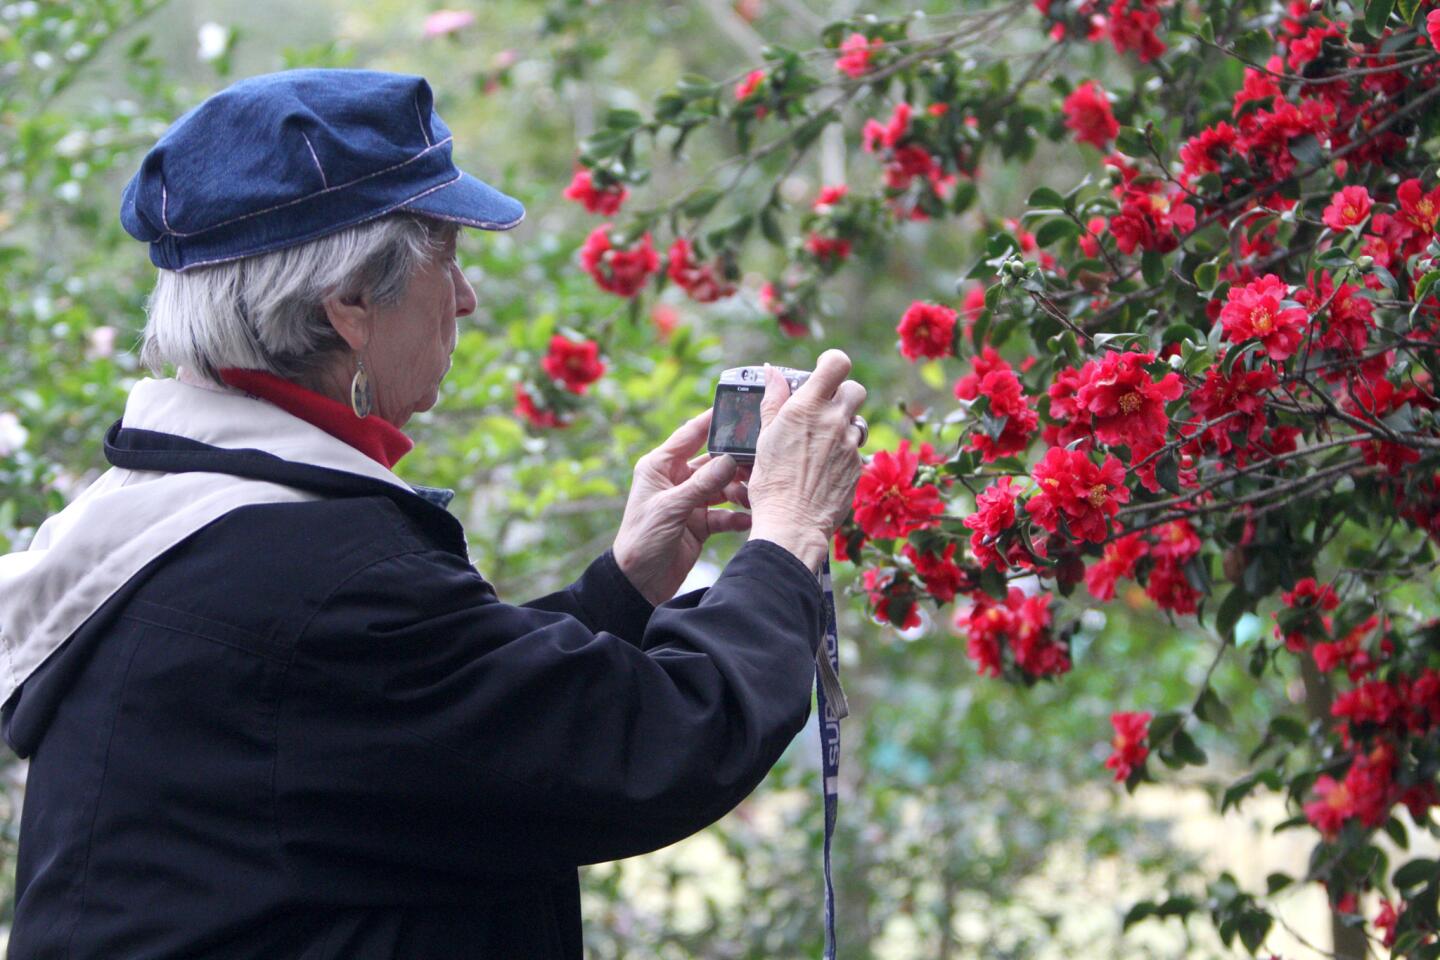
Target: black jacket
x,y
311,730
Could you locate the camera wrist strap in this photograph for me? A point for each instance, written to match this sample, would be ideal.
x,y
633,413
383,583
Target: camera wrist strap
x,y
831,707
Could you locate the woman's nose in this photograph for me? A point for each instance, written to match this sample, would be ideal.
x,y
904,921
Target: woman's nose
x,y
464,293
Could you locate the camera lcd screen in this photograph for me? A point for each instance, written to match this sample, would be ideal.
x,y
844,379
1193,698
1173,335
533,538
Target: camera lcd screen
x,y
735,425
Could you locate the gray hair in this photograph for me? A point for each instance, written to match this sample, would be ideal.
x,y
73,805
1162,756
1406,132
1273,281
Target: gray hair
x,y
267,312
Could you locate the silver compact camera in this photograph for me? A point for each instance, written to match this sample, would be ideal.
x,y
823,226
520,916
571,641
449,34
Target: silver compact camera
x,y
735,424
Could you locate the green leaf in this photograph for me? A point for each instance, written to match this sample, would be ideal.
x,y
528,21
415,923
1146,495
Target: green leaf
x,y
1212,709
1415,873
1177,332
770,227
1046,197
1137,913
1307,150
1188,750
1152,267
1276,882
1422,287
1163,726
1255,46
1396,830
1058,229
1207,275
1167,471
1131,142
1406,9
1406,942
701,203
1254,926
1377,12
1234,604
993,582
1287,728
1176,907
623,120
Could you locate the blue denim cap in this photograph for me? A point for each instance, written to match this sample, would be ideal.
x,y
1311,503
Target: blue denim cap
x,y
283,158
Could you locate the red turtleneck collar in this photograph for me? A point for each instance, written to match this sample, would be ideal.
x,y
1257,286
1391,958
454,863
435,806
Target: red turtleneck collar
x,y
372,436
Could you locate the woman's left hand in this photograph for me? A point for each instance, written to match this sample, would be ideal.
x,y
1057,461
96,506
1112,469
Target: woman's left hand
x,y
669,515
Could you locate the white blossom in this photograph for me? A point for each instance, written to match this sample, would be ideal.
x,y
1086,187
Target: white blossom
x,y
12,434
214,39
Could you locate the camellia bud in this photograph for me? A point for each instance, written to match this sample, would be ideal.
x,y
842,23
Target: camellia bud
x,y
1365,262
1015,267
1176,362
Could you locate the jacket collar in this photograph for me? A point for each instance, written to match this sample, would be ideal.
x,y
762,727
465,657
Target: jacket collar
x,y
184,455
186,426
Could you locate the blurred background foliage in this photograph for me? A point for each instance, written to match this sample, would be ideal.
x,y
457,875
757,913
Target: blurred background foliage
x,y
976,819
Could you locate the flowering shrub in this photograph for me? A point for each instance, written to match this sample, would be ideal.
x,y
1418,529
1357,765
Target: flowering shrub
x,y
1205,374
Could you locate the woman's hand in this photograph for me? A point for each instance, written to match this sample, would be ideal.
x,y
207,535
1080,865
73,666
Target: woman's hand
x,y
668,516
807,459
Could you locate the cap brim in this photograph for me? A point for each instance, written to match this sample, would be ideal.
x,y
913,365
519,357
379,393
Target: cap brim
x,y
466,200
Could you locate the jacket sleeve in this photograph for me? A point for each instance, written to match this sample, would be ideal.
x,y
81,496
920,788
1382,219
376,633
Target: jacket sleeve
x,y
428,727
604,600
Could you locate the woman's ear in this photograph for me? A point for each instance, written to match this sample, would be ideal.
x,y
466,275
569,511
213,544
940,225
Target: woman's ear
x,y
351,317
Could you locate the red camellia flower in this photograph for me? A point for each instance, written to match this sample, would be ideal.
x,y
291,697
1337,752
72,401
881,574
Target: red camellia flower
x,y
618,270
1389,916
1350,651
887,593
1022,625
942,577
1240,397
1149,220
1349,207
1432,28
1133,28
1128,749
1367,793
855,53
1118,560
577,365
888,505
787,314
703,281
1071,487
750,86
1126,407
1255,311
605,201
827,249
1328,811
1374,703
829,196
526,407
926,330
1418,210
994,514
993,378
1088,113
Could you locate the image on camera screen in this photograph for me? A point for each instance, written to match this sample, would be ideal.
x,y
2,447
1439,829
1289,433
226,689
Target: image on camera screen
x,y
735,425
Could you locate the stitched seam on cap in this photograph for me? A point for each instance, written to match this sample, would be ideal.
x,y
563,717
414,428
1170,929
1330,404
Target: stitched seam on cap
x,y
482,224
323,182
424,132
291,203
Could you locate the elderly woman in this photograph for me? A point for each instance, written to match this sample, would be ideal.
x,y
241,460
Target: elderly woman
x,y
271,709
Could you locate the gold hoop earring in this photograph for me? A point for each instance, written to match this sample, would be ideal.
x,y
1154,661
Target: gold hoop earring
x,y
362,394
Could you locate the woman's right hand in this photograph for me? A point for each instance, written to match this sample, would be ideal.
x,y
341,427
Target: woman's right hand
x,y
807,459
